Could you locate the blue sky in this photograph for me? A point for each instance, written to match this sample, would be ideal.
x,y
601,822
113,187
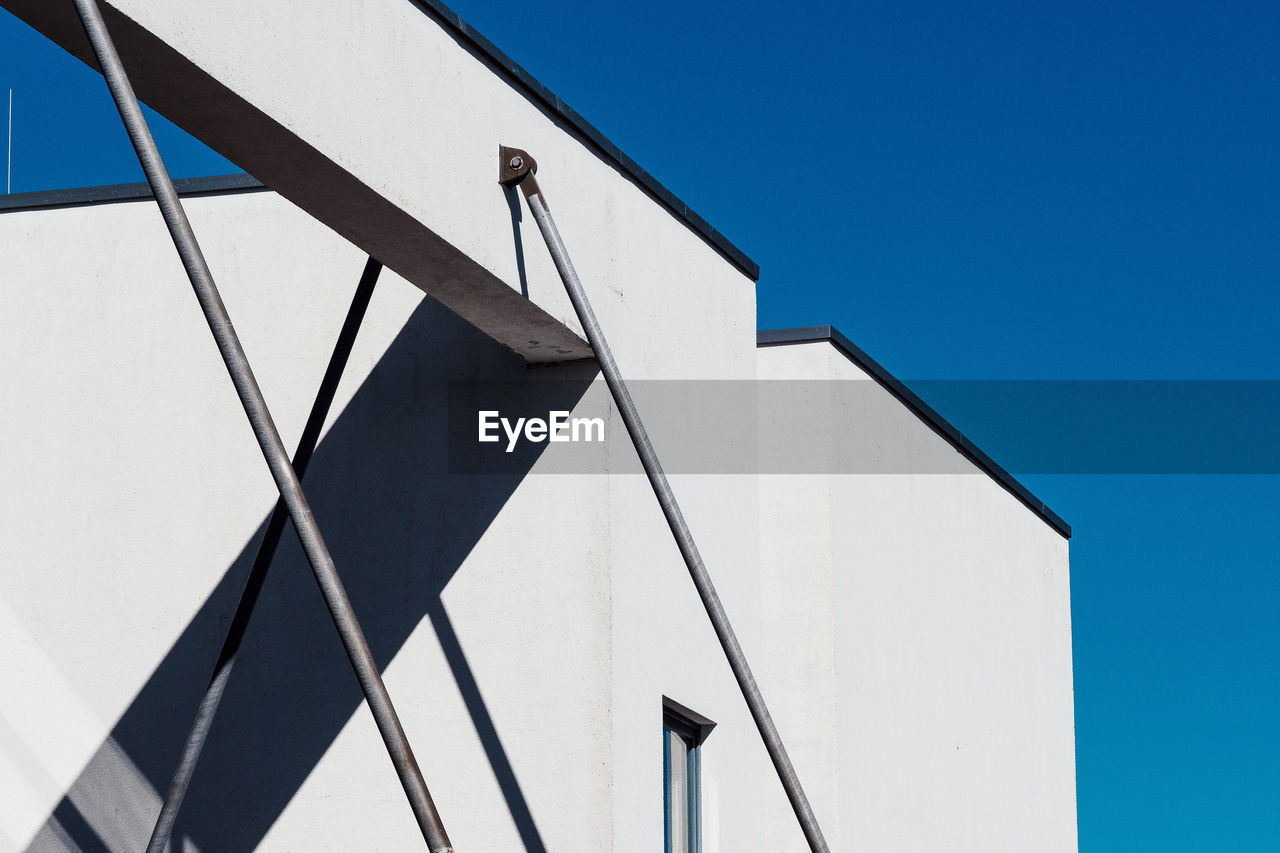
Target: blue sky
x,y
968,191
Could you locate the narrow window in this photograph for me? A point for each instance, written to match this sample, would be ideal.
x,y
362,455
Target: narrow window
x,y
682,735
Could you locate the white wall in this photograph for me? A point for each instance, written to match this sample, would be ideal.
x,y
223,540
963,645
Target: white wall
x,y
912,634
918,635
513,614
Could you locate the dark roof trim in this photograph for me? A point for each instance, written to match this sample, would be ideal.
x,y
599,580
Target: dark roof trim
x,y
814,334
521,79
504,66
216,185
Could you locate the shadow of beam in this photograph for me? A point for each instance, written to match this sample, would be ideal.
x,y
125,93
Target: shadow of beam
x,y
399,526
487,731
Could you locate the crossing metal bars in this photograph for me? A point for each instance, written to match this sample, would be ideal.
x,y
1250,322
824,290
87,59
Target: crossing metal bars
x,y
213,694
516,168
264,430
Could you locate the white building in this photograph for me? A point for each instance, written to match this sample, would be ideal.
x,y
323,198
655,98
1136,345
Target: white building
x,y
910,624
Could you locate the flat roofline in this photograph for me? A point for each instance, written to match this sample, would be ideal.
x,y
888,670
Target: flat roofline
x,y
940,425
523,80
213,185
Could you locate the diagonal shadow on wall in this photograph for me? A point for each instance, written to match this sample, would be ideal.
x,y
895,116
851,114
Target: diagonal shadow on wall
x,y
399,527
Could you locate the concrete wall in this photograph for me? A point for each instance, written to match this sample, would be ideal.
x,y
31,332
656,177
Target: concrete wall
x,y
529,624
911,631
917,630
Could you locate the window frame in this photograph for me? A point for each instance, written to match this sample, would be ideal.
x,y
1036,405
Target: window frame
x,y
692,729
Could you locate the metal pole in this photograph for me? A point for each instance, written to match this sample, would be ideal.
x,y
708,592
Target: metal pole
x,y
213,694
264,430
517,168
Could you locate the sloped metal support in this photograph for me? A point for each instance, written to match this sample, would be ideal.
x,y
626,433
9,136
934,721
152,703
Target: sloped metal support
x,y
213,694
264,430
516,168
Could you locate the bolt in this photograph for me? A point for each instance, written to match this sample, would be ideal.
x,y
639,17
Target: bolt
x,y
516,162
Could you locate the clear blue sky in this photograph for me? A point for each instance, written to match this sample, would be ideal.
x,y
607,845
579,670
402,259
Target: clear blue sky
x,y
978,190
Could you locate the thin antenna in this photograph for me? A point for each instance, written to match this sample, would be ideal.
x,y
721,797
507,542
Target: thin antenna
x,y
8,167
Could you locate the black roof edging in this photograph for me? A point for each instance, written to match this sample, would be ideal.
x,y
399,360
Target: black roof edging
x,y
940,425
519,78
214,185
541,94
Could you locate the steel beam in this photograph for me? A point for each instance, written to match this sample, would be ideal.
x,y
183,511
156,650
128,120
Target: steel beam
x,y
264,429
516,168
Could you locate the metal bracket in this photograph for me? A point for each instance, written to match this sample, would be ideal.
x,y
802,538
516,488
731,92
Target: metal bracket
x,y
513,165
517,169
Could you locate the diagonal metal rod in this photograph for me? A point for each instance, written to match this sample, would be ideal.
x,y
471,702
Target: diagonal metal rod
x,y
517,168
213,694
264,429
